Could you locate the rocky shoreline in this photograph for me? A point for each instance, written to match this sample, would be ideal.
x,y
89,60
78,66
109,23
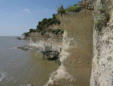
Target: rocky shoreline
x,y
87,34
48,54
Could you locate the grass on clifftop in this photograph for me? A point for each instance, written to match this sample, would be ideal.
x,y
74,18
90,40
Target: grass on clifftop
x,y
74,8
46,22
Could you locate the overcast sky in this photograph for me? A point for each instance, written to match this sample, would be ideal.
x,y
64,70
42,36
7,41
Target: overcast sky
x,y
17,16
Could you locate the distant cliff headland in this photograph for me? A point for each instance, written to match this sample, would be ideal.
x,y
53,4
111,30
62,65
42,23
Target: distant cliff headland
x,y
48,35
80,36
67,36
52,25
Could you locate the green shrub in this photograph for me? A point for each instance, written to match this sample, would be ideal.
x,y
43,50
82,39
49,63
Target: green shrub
x,y
56,31
31,30
102,18
61,10
42,25
45,23
99,24
26,34
74,8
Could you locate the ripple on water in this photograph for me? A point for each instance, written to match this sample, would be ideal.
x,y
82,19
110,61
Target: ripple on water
x,y
27,85
2,76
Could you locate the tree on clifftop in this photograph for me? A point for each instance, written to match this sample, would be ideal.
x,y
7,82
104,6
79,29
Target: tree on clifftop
x,y
31,30
61,10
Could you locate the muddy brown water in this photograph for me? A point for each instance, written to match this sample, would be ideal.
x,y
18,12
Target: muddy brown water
x,y
19,68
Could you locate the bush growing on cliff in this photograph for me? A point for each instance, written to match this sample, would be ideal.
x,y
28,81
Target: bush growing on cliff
x,y
56,31
46,23
61,10
26,34
31,30
102,18
43,26
74,8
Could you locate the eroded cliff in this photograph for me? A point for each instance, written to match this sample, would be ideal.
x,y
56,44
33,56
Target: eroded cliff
x,y
76,55
102,66
88,35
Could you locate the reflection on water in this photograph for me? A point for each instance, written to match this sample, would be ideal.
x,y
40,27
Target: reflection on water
x,y
19,67
40,69
2,76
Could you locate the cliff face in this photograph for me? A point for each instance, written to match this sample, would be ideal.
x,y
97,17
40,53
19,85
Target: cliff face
x,y
76,54
47,41
87,34
102,66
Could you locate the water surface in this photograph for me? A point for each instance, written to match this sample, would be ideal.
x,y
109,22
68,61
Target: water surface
x,y
18,67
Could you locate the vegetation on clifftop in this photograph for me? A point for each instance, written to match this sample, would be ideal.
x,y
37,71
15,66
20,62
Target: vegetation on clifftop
x,y
74,8
61,10
46,22
42,25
